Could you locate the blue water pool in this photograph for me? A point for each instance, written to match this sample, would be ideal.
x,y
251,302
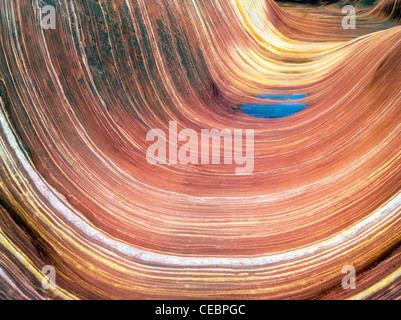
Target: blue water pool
x,y
286,106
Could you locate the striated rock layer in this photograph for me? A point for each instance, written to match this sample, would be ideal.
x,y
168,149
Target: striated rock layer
x,y
77,192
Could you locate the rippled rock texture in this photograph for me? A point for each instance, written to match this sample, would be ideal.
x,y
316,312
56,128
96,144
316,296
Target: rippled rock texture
x,y
77,192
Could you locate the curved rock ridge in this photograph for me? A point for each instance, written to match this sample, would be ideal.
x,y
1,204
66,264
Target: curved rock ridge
x,y
78,194
389,9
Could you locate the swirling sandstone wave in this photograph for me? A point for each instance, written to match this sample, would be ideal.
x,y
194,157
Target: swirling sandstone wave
x,y
77,192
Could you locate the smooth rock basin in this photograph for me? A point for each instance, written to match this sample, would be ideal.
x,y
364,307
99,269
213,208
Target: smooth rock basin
x,y
275,110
